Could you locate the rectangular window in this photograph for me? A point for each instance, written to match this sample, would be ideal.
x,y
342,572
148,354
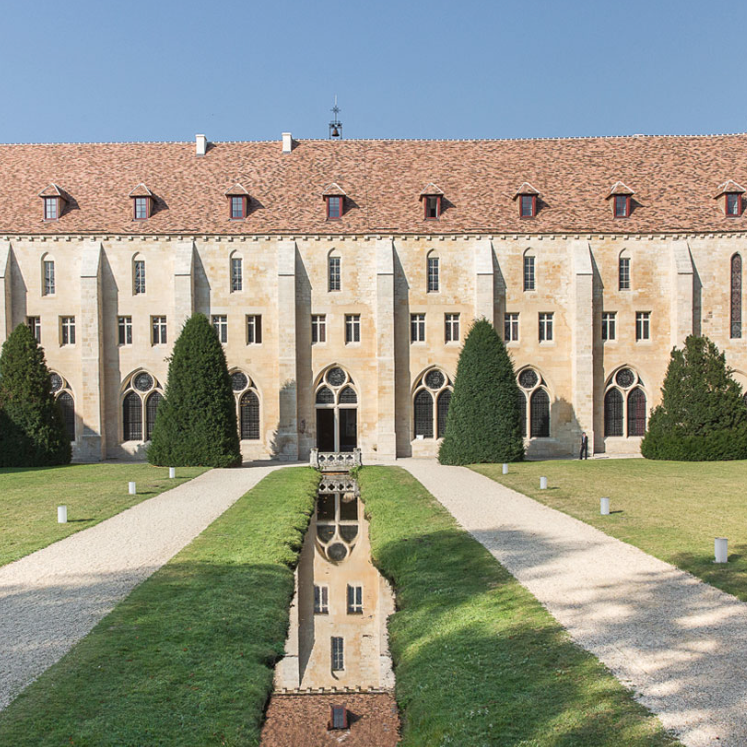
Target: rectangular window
x,y
321,600
334,208
221,327
158,327
355,600
254,329
334,274
417,327
34,324
642,325
139,276
67,330
237,274
432,207
622,206
51,208
451,327
511,327
528,273
338,654
318,328
352,328
733,204
624,273
545,327
527,206
608,325
432,274
49,278
142,205
238,207
124,323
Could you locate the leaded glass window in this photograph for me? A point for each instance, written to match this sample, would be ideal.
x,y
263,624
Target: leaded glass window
x,y
249,416
338,656
237,276
423,404
67,406
333,274
132,417
636,412
139,276
540,414
529,278
348,396
736,296
442,411
49,282
613,413
151,409
624,273
433,281
325,396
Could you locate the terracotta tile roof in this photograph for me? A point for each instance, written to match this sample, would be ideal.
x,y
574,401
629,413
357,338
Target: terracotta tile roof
x,y
140,191
526,189
674,177
237,189
727,187
334,190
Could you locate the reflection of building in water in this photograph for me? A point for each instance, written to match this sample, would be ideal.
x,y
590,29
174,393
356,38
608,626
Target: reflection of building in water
x,y
338,635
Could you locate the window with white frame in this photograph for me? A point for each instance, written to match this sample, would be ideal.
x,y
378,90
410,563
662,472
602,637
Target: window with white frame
x,y
158,330
430,404
355,600
49,280
139,276
51,208
609,323
623,272
124,328
451,327
321,599
34,324
333,274
624,405
511,327
254,329
237,274
318,328
417,327
67,330
338,654
546,326
642,325
142,397
433,278
220,323
529,274
352,328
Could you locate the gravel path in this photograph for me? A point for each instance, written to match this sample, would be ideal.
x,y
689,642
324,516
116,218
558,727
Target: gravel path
x,y
679,644
49,600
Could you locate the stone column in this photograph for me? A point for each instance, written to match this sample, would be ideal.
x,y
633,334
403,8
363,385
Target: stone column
x,y
581,318
386,436
89,403
681,296
286,438
184,285
484,281
6,313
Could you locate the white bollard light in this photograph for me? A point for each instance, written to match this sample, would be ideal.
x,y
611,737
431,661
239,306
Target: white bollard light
x,y
604,506
543,483
505,469
172,472
722,550
62,514
133,490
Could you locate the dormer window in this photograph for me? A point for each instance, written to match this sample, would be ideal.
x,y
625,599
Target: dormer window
x,y
432,197
238,202
621,196
733,204
622,206
731,196
334,196
142,202
527,196
54,200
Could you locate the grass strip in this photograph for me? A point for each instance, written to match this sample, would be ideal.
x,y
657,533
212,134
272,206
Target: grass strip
x,y
478,660
187,658
92,492
672,510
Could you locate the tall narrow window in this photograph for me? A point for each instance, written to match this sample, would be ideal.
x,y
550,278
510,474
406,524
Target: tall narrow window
x,y
238,207
321,599
608,325
622,206
49,284
333,274
451,327
67,406
736,296
142,208
318,328
51,209
338,654
528,273
334,207
151,409
636,412
642,325
220,323
417,327
34,324
433,285
67,330
423,406
432,207
546,327
139,276
124,325
352,328
254,329
522,398
355,600
442,411
528,205
511,327
624,274
237,275
132,417
539,416
733,204
249,415
613,413
158,330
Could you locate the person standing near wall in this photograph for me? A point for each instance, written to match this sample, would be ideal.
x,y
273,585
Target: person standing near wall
x,y
584,453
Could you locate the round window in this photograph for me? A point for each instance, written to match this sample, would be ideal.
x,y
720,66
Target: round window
x,y
625,378
337,552
56,381
528,378
239,381
336,377
434,379
143,382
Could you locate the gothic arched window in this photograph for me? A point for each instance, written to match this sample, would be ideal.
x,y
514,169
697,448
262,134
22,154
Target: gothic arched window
x,y
431,403
132,417
249,415
423,414
67,406
613,413
143,395
151,408
625,405
539,407
442,411
636,412
534,404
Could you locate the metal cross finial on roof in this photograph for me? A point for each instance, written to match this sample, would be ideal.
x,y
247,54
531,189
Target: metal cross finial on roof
x,y
335,126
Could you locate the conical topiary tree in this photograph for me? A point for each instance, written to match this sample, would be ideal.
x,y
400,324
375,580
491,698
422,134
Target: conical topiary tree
x,y
484,420
196,422
702,416
32,430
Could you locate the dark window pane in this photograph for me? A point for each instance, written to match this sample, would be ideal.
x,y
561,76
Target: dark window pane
x,y
613,413
249,416
151,408
67,407
132,417
348,396
636,412
540,414
349,510
325,396
325,508
424,414
444,400
523,412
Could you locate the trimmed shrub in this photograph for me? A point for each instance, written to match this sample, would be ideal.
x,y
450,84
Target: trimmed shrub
x,y
32,430
484,420
196,422
702,416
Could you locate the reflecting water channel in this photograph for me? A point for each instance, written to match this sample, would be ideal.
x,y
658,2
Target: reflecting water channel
x,y
338,634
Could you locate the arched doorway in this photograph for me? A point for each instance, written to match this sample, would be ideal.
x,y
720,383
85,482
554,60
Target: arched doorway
x,y
336,412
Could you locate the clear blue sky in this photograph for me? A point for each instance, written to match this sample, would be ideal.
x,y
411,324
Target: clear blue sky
x,y
96,70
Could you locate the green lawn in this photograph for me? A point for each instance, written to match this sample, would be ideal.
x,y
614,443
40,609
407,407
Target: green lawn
x,y
187,657
672,510
478,660
92,492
